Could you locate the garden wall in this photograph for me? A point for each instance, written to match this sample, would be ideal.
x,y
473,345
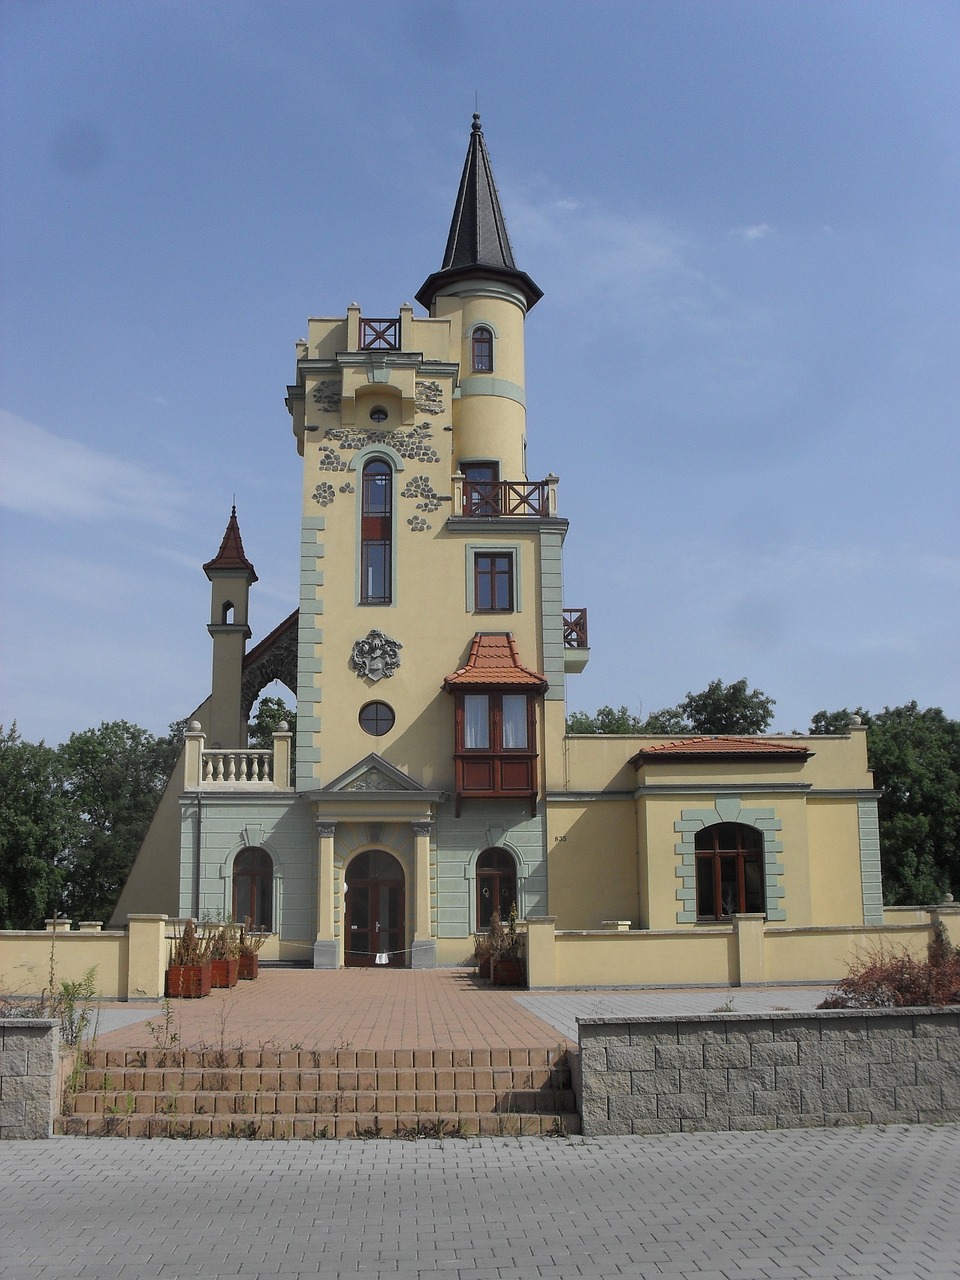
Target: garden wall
x,y
776,1071
28,1077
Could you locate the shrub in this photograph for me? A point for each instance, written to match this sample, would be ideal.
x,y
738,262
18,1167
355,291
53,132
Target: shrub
x,y
885,980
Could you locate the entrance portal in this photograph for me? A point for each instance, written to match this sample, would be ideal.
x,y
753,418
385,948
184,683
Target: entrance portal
x,y
375,910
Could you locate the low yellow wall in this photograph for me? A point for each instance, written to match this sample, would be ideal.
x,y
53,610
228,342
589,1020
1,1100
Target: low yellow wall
x,y
25,961
825,954
649,958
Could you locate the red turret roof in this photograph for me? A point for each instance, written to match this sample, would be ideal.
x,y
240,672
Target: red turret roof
x,y
230,555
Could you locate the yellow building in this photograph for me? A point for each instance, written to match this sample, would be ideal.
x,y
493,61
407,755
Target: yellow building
x,y
434,780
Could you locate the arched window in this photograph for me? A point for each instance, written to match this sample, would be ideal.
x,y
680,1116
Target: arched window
x,y
730,874
253,888
376,534
496,886
482,349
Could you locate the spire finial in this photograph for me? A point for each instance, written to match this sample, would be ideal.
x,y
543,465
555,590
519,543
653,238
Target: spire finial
x,y
475,127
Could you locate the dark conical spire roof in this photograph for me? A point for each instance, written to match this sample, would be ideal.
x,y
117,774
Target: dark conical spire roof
x,y
478,244
231,555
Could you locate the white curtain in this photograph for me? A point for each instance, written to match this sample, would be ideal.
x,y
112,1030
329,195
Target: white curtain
x,y
476,722
514,721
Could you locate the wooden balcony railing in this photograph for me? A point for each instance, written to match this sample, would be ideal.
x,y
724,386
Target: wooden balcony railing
x,y
380,335
508,498
575,629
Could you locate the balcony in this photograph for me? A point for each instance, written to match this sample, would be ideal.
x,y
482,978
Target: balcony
x,y
250,768
380,335
576,652
492,499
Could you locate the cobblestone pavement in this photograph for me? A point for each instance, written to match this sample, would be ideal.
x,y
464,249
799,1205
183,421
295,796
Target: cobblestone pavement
x,y
873,1203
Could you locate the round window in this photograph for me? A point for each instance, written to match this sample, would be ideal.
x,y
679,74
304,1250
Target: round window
x,y
378,413
377,718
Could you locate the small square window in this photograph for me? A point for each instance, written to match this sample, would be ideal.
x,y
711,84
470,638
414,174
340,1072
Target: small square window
x,y
493,582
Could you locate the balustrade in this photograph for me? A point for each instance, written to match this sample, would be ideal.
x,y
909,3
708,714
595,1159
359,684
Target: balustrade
x,y
227,767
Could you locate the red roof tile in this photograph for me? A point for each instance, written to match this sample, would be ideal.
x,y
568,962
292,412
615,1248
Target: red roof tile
x,y
230,555
721,746
494,660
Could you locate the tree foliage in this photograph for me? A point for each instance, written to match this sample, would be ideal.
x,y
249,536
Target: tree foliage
x,y
914,753
720,708
73,817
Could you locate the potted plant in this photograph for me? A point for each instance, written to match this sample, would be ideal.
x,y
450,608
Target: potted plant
x,y
224,953
189,972
508,968
250,943
482,954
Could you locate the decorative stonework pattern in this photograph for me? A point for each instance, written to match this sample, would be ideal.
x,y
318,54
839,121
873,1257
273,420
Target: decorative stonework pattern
x,y
372,780
409,444
420,487
418,524
326,395
324,494
376,656
279,662
347,488
429,397
329,460
728,809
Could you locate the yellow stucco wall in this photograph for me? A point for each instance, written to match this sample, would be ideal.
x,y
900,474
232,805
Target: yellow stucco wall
x,y
591,864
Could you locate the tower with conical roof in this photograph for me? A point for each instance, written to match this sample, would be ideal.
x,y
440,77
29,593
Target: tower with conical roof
x,y
231,576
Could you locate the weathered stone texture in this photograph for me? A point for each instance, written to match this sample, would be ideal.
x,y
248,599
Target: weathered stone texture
x,y
28,1083
741,1072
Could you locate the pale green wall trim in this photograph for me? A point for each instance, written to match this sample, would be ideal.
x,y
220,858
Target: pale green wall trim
x,y
486,824
551,612
471,549
363,456
484,384
870,878
727,808
309,636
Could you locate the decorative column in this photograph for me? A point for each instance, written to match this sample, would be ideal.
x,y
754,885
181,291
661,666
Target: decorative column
x,y
325,950
423,954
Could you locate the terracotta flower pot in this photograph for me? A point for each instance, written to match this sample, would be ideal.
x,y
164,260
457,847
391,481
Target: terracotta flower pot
x,y
188,980
483,965
249,967
509,973
226,973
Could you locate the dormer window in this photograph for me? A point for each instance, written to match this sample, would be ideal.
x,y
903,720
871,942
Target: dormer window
x,y
482,349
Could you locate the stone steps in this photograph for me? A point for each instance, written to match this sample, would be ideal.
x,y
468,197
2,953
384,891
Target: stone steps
x,y
296,1093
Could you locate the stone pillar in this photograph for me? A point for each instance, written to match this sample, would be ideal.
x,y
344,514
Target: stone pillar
x,y
541,951
749,933
281,756
146,956
947,913
325,951
423,954
194,741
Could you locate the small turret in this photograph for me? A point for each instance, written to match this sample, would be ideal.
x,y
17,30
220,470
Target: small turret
x,y
231,576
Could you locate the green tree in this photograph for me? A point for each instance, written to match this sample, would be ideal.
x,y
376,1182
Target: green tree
x,y
606,720
34,825
271,713
728,708
115,776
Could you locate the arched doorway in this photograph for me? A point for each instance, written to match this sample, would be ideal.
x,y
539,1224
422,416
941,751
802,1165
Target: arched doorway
x,y
253,889
496,886
375,910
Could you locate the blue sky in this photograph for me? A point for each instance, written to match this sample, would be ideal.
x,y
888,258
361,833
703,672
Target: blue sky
x,y
744,369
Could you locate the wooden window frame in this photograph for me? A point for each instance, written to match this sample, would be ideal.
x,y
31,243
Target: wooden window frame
x,y
492,572
481,349
376,531
494,771
735,844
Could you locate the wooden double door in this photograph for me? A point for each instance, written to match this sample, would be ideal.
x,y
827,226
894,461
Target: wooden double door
x,y
375,911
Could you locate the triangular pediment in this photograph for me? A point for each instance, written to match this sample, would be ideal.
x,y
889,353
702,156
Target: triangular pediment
x,y
373,773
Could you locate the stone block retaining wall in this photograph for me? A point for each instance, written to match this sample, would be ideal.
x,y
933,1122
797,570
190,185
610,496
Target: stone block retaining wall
x,y
28,1077
773,1071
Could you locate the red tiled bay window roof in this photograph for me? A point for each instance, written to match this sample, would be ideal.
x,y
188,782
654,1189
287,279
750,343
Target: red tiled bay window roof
x,y
721,747
494,661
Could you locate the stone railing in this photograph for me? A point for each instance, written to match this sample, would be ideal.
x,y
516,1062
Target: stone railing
x,y
236,767
28,1077
771,1071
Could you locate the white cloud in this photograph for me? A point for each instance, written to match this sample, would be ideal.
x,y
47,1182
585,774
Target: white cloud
x,y
757,232
56,478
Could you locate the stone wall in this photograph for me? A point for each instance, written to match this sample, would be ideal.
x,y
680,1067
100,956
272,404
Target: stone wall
x,y
773,1071
28,1077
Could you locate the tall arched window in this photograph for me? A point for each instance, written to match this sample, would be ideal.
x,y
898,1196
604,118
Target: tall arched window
x,y
730,875
482,350
253,888
496,886
376,534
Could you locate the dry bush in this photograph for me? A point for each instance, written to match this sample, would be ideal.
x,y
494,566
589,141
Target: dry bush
x,y
885,980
